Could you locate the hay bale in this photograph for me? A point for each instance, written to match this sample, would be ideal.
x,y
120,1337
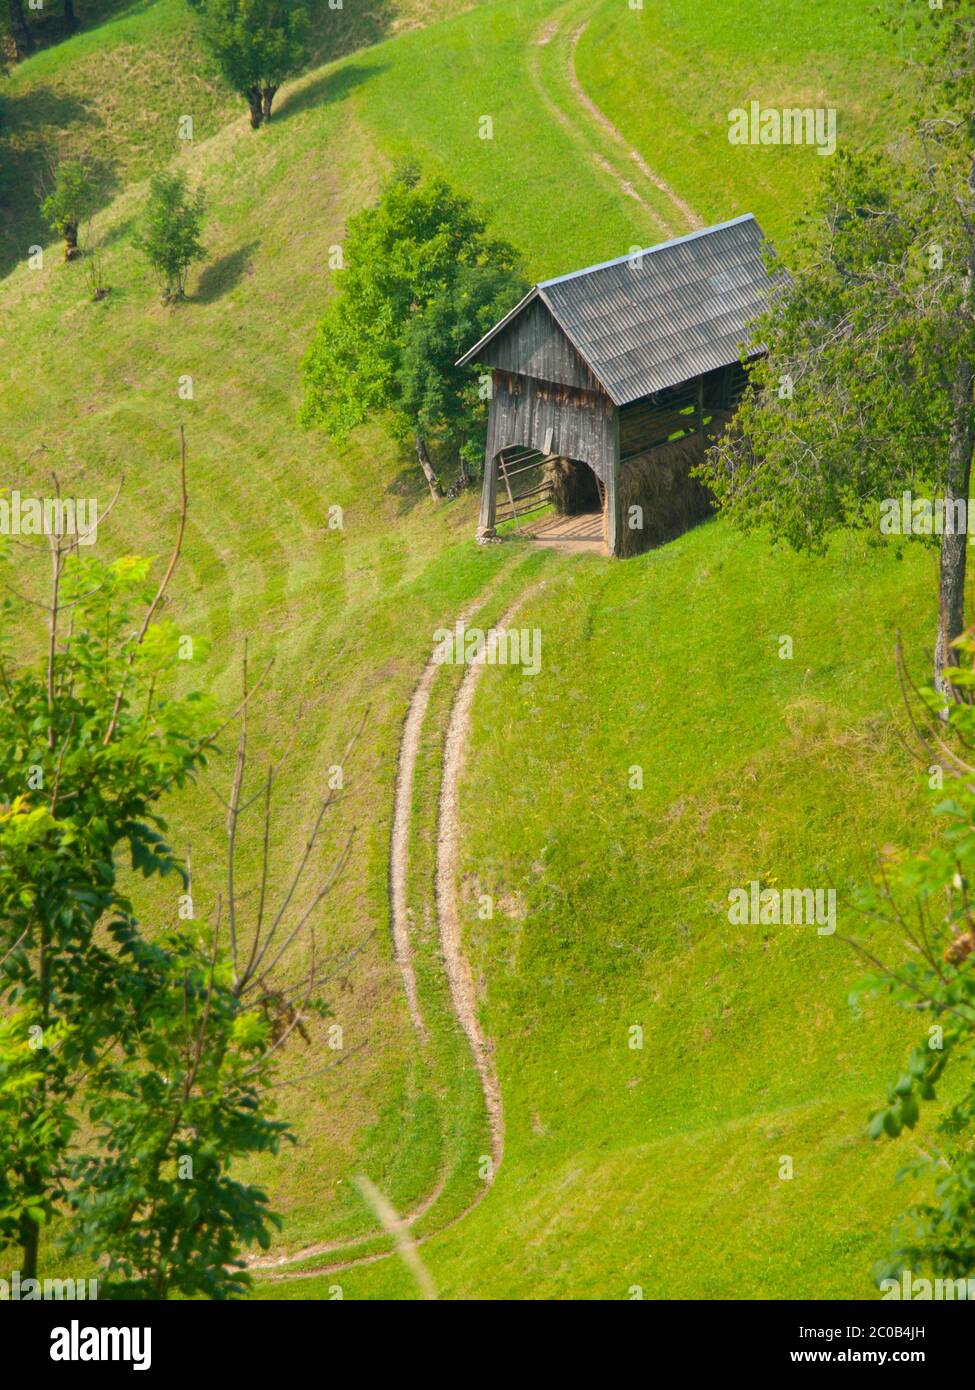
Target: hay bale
x,y
574,487
659,481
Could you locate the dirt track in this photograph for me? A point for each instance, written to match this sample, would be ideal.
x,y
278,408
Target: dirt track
x,y
456,965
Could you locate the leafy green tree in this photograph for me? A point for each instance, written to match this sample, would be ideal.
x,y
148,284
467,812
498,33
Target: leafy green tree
x,y
170,235
170,1110
867,388
257,44
422,279
157,1053
443,399
83,774
71,200
929,900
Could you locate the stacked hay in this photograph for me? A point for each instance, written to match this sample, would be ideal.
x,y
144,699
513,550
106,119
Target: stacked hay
x,y
659,481
574,487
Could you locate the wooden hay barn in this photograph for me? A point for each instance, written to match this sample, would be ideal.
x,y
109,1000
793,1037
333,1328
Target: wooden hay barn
x,y
607,384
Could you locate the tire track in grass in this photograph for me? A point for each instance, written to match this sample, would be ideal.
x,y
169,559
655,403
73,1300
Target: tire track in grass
x,y
399,849
683,209
544,36
457,967
676,216
401,923
462,992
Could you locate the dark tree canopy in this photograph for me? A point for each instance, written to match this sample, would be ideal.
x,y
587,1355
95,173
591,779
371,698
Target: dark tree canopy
x,y
257,44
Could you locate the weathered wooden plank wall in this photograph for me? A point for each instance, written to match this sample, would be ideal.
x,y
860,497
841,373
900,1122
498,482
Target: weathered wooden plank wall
x,y
534,345
560,420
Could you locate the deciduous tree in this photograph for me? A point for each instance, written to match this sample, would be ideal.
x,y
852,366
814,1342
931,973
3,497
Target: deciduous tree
x,y
257,44
71,200
156,1051
927,900
867,388
170,235
422,279
23,39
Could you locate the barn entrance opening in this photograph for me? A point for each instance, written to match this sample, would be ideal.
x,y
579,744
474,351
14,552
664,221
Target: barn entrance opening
x,y
578,517
554,501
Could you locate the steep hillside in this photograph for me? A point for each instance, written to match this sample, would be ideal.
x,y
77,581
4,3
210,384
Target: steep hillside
x,y
656,1167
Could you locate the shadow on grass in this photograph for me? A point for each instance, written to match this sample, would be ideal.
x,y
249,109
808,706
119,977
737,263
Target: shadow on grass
x,y
53,25
28,159
409,487
331,86
120,231
333,33
222,275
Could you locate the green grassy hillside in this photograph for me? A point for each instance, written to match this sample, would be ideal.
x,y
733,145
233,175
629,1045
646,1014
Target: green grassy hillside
x,y
655,1167
703,61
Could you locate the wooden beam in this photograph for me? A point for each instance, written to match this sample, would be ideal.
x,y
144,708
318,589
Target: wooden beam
x,y
489,488
514,509
614,518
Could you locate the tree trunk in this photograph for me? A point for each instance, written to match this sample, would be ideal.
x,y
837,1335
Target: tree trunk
x,y
951,584
30,1237
19,32
267,96
254,102
71,241
421,452
70,18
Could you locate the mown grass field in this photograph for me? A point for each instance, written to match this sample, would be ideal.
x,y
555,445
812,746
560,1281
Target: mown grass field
x,y
658,1167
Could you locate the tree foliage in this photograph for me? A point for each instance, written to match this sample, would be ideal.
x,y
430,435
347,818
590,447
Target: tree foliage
x,y
422,280
16,25
929,899
257,44
866,390
444,400
155,1052
71,200
170,234
170,1111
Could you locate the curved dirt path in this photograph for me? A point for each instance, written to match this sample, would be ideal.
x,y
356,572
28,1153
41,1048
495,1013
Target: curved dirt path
x,y
399,845
683,209
399,842
401,923
545,36
680,217
462,990
457,967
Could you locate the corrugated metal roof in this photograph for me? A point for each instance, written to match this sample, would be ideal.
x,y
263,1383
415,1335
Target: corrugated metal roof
x,y
658,317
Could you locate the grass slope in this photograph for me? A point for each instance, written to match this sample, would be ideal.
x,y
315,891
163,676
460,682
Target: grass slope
x,y
660,1167
655,1167
668,75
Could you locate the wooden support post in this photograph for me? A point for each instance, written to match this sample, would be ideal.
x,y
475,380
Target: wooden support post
x,y
699,407
485,523
614,520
